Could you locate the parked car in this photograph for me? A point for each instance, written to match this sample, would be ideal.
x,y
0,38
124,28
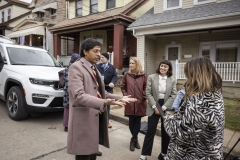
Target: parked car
x,y
29,81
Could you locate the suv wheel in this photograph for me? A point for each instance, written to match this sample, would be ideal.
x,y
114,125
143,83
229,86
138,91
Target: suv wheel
x,y
16,104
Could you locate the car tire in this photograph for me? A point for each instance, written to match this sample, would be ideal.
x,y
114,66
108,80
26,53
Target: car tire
x,y
16,104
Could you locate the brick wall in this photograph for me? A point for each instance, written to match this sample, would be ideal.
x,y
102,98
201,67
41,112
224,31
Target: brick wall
x,y
60,12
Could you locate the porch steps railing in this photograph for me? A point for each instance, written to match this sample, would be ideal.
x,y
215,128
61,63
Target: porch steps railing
x,y
229,71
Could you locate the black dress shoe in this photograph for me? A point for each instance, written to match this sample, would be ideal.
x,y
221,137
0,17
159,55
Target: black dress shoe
x,y
99,153
161,157
65,129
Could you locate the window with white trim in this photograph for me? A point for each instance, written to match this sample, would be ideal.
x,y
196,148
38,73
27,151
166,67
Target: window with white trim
x,y
172,4
2,16
9,14
203,1
93,6
78,8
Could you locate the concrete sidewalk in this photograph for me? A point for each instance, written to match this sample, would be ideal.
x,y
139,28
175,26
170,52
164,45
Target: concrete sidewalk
x,y
230,137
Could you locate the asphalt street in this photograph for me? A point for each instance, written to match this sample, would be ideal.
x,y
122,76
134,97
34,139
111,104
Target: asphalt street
x,y
43,138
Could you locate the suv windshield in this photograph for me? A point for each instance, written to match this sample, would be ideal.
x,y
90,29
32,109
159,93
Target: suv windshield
x,y
22,56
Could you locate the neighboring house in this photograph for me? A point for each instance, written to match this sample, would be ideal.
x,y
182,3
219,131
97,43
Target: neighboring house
x,y
104,20
184,29
11,13
33,31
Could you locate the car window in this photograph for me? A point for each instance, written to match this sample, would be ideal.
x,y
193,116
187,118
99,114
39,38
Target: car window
x,y
22,56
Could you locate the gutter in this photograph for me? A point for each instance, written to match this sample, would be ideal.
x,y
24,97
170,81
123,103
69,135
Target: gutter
x,y
185,21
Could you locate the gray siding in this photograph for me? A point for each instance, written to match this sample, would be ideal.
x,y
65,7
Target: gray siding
x,y
150,56
141,49
49,42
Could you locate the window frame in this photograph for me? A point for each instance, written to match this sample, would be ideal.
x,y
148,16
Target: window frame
x,y
3,16
112,7
213,48
195,2
40,14
91,5
78,8
51,10
165,5
9,14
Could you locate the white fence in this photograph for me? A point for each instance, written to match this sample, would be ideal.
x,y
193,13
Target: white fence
x,y
229,71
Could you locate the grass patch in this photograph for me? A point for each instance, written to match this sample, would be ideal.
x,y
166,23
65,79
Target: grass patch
x,y
232,114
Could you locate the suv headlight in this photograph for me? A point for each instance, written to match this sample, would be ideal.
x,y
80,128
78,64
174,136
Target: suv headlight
x,y
41,82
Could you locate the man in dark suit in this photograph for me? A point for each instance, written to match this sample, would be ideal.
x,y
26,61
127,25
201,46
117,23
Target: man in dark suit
x,y
109,76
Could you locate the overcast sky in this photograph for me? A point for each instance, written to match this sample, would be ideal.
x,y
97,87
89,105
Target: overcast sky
x,y
29,1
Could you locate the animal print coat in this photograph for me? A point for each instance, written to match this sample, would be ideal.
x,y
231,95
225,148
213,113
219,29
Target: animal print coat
x,y
197,130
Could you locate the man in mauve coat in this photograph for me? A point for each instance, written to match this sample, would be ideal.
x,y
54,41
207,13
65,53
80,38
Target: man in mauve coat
x,y
88,122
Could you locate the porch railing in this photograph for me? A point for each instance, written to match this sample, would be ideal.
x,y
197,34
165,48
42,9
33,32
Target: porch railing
x,y
66,59
229,71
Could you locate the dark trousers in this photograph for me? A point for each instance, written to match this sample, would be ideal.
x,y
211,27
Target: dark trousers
x,y
134,125
149,137
86,157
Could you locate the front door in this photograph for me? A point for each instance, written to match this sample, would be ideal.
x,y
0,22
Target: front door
x,y
173,54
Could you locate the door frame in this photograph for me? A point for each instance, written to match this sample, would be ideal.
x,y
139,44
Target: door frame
x,y
173,45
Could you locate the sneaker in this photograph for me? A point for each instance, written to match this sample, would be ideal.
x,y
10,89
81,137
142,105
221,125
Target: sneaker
x,y
109,125
142,157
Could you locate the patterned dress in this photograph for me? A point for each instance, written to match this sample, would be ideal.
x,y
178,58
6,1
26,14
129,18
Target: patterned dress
x,y
65,88
198,129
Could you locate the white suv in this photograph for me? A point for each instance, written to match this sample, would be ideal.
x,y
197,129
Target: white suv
x,y
29,81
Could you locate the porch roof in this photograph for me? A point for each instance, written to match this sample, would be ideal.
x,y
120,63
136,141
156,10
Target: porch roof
x,y
92,19
36,30
194,13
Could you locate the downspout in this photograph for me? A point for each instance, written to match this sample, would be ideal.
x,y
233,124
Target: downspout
x,y
134,34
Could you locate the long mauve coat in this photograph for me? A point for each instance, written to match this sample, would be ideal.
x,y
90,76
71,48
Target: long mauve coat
x,y
136,87
85,130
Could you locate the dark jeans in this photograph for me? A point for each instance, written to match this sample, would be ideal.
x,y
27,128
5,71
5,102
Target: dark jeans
x,y
149,137
134,125
86,157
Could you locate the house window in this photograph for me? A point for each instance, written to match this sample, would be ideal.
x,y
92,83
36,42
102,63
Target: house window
x,y
111,4
9,14
2,17
52,12
206,50
40,14
93,6
172,4
78,8
226,52
203,1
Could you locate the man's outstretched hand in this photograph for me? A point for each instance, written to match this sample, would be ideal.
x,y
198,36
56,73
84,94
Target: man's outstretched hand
x,y
127,99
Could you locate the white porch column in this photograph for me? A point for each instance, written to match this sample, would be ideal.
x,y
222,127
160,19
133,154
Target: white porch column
x,y
141,50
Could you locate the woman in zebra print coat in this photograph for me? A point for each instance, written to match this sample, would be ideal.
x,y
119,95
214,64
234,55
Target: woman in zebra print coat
x,y
197,130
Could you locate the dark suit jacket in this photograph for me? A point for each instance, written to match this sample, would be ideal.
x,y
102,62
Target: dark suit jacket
x,y
110,75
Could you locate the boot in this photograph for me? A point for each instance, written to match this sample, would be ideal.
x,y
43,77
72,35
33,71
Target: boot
x,y
132,144
137,144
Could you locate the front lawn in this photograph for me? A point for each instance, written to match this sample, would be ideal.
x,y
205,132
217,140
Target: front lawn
x,y
232,114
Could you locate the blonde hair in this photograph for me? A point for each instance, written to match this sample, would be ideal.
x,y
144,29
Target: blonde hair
x,y
202,77
138,65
